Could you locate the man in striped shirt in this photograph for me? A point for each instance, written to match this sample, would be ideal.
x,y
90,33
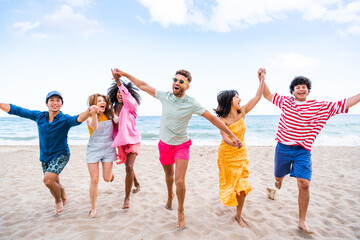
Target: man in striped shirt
x,y
300,122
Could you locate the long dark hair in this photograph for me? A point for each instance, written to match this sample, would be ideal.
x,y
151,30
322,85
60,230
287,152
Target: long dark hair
x,y
113,90
224,99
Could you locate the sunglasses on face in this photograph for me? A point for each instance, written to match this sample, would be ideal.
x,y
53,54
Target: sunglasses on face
x,y
180,81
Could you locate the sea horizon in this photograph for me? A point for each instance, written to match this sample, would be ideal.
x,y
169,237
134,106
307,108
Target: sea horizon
x,y
340,130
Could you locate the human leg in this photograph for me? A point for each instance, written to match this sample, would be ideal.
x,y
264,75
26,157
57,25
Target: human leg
x,y
180,171
64,197
240,199
129,179
108,174
169,179
51,179
302,170
93,190
278,182
283,162
303,201
55,190
136,184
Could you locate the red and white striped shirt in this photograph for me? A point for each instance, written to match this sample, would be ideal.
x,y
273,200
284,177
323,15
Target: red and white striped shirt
x,y
301,123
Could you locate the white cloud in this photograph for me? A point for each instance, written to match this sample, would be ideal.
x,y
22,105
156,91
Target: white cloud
x,y
292,61
23,27
227,15
66,20
177,12
62,22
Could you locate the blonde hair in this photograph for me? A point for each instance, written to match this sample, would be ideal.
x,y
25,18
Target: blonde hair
x,y
92,100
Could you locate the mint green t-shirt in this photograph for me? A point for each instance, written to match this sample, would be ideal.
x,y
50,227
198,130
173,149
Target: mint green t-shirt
x,y
176,114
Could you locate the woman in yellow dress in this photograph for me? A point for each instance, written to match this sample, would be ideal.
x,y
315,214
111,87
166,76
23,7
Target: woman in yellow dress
x,y
233,162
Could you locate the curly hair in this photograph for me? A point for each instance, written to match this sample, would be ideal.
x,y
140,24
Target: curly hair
x,y
224,99
185,74
92,100
300,80
113,90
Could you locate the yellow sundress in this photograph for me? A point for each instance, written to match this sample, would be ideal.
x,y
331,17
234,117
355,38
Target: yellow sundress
x,y
233,167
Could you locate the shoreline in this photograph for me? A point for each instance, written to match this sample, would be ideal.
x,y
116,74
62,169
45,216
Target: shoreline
x,y
27,208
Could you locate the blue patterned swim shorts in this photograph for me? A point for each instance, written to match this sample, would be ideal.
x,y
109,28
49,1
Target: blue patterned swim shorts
x,y
56,165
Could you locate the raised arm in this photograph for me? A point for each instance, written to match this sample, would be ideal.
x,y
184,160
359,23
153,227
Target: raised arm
x,y
116,77
220,125
140,84
251,104
5,107
266,93
128,100
351,101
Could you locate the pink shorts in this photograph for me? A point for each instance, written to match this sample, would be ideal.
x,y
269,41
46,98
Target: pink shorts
x,y
170,153
124,150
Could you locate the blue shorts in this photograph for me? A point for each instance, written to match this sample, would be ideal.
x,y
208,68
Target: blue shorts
x,y
295,160
56,165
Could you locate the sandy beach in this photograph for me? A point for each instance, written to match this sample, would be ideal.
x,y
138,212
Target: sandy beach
x,y
27,208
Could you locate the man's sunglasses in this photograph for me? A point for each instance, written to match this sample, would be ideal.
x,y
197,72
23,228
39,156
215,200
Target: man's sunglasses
x,y
180,81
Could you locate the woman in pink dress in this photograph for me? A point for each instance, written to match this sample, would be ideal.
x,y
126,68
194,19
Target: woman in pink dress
x,y
125,100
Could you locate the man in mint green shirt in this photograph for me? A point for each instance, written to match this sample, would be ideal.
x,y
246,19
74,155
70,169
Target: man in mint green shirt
x,y
174,144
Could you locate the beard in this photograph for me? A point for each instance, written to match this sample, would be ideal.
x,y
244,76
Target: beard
x,y
178,93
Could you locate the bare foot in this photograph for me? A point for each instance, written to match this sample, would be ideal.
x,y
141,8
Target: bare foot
x,y
92,213
241,222
278,184
126,204
65,200
136,189
181,220
305,228
59,207
169,202
112,177
271,193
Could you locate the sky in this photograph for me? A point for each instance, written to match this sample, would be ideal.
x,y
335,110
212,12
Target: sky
x,y
71,45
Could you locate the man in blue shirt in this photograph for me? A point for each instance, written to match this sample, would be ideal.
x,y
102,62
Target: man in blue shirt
x,y
53,127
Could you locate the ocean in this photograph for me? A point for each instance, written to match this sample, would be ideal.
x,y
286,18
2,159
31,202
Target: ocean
x,y
340,130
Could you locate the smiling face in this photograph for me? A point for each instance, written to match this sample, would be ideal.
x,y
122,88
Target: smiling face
x,y
101,103
236,102
178,88
300,92
119,97
54,103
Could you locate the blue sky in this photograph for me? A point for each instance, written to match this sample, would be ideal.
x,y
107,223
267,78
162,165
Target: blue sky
x,y
70,46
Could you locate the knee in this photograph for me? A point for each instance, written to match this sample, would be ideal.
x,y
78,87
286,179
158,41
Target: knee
x,y
129,169
180,183
304,185
95,180
48,181
108,178
169,176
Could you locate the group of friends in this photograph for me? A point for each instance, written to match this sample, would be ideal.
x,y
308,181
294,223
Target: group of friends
x,y
114,136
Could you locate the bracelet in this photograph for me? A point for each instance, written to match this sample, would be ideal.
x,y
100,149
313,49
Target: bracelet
x,y
116,80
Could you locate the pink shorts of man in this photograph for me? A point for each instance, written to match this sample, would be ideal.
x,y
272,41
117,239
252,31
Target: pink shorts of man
x,y
124,150
170,153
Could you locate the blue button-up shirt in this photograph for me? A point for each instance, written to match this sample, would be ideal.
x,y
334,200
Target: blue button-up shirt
x,y
52,136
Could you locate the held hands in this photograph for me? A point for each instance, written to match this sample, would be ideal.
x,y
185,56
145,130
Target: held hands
x,y
115,74
93,109
261,74
237,143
